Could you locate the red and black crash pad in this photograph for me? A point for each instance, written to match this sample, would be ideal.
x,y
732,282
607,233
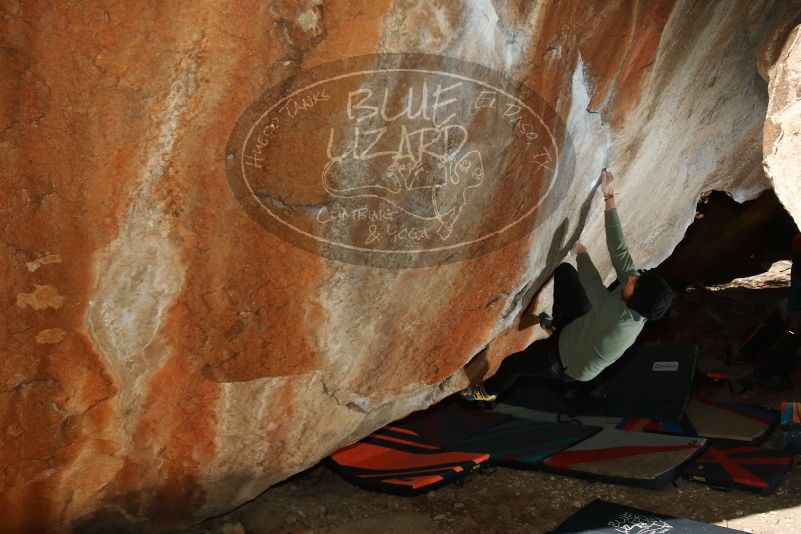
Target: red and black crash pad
x,y
603,517
709,419
728,420
398,461
727,465
631,458
643,424
450,421
524,444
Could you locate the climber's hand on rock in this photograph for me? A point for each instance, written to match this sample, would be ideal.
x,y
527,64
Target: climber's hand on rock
x,y
607,183
580,249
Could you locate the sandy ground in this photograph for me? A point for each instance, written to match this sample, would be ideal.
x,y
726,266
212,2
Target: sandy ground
x,y
503,500
509,501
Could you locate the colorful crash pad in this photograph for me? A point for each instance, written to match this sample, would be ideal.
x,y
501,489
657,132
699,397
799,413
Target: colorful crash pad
x,y
450,421
728,420
728,465
631,458
398,461
704,418
603,517
523,443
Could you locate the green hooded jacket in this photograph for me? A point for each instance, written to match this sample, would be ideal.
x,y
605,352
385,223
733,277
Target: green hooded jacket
x,y
598,338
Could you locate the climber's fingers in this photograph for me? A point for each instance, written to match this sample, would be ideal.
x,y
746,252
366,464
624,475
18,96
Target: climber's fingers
x,y
607,182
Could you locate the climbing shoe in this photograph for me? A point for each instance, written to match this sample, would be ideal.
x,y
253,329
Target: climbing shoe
x,y
477,393
546,322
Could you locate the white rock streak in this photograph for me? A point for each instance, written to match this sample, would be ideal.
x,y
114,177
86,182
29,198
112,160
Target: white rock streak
x,y
139,274
409,305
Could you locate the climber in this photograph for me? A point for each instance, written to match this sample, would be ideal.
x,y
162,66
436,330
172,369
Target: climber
x,y
593,326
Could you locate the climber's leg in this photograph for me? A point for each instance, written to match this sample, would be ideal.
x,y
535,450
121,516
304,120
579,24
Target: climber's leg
x,y
569,298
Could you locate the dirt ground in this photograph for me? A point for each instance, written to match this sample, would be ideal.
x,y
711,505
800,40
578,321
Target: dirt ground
x,y
499,501
509,501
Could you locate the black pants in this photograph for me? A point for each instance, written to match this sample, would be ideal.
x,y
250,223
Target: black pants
x,y
541,358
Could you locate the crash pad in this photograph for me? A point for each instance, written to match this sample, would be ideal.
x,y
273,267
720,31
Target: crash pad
x,y
523,443
731,465
398,461
604,517
450,421
650,381
631,458
632,424
644,424
555,417
728,420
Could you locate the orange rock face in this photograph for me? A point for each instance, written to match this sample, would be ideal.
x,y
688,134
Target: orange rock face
x,y
167,356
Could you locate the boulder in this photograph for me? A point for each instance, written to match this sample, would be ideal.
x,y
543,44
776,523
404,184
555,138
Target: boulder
x,y
171,349
782,133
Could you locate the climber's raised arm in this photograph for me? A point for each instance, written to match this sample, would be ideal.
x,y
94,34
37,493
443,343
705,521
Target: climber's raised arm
x,y
615,240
